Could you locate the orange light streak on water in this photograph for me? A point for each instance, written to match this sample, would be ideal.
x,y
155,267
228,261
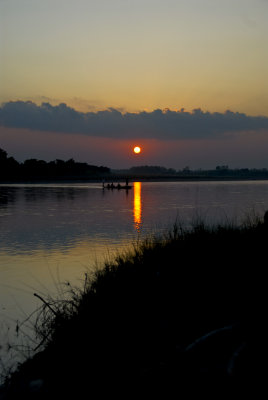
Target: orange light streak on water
x,y
137,207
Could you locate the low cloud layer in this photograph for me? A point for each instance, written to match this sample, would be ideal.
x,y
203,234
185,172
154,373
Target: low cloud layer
x,y
111,123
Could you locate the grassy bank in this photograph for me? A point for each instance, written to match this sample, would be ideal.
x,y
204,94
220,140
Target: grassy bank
x,y
184,308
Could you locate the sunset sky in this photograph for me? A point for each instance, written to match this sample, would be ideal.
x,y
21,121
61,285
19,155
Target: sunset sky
x,y
89,79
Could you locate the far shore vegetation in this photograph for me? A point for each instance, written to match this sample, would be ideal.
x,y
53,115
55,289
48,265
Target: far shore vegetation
x,y
182,311
34,170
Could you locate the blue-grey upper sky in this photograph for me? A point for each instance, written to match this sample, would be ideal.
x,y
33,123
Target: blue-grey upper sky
x,y
136,54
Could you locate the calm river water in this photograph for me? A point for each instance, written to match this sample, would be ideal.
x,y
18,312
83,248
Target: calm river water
x,y
52,233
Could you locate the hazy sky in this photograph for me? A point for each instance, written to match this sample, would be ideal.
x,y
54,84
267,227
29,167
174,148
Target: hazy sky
x,y
136,56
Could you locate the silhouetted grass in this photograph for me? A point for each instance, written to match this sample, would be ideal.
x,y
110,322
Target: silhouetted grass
x,y
186,307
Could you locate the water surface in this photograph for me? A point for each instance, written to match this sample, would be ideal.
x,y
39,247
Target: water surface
x,y
51,234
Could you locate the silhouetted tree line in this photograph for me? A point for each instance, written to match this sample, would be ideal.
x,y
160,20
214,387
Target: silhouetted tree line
x,y
223,171
220,172
10,169
155,169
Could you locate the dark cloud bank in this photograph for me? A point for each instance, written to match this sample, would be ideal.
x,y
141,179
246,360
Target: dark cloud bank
x,y
158,124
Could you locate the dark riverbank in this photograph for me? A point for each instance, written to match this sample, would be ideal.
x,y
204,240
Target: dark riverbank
x,y
184,311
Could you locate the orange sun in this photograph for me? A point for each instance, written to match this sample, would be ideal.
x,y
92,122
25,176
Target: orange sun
x,y
137,150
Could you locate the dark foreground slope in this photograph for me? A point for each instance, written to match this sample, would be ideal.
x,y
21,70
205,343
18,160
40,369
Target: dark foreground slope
x,y
184,312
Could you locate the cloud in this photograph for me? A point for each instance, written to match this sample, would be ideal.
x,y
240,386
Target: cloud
x,y
112,123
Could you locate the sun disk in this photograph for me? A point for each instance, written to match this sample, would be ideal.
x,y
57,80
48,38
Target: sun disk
x,y
137,150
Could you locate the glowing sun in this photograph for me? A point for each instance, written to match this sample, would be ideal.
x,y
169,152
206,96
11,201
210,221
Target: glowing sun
x,y
137,150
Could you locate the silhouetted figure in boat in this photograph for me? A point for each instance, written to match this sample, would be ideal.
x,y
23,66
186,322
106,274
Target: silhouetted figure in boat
x,y
116,186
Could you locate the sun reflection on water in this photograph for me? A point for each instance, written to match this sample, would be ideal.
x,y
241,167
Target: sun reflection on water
x,y
137,205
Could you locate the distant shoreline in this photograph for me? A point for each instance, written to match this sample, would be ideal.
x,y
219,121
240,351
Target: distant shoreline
x,y
133,179
39,171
